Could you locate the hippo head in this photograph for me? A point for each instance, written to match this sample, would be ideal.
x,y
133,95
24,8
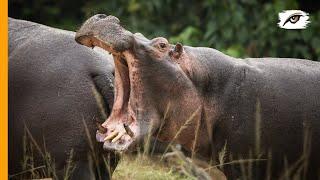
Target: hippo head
x,y
155,92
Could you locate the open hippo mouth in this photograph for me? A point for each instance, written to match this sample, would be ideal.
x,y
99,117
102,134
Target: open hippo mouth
x,y
121,130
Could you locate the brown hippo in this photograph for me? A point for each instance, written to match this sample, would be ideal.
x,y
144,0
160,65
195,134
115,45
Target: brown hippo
x,y
51,83
266,108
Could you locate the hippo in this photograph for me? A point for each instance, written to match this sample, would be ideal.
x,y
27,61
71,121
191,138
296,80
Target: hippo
x,y
265,109
54,86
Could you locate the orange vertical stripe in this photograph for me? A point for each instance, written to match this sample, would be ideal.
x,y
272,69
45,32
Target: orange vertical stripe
x,y
4,89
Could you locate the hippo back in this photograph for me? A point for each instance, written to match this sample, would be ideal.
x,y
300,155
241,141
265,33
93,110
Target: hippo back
x,y
53,88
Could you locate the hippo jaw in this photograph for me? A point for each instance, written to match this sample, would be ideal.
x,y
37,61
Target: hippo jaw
x,y
122,130
151,85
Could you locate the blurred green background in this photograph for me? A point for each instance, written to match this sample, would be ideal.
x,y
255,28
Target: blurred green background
x,y
244,28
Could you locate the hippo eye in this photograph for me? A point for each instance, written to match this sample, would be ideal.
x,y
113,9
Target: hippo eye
x,y
162,45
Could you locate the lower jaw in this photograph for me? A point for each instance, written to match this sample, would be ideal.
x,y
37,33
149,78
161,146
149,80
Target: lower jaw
x,y
128,146
126,142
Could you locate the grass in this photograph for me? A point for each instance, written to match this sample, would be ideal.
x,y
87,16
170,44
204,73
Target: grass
x,y
144,168
131,166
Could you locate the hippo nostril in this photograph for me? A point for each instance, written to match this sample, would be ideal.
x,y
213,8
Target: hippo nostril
x,y
101,16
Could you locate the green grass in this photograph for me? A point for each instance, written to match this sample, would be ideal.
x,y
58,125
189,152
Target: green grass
x,y
145,168
174,165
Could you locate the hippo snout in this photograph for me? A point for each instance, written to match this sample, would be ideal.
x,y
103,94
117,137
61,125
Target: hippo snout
x,y
85,32
106,31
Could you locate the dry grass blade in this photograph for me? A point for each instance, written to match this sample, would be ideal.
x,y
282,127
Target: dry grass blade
x,y
70,166
100,102
237,162
300,167
222,153
34,141
161,126
26,171
92,149
258,128
194,145
185,125
147,140
28,165
106,163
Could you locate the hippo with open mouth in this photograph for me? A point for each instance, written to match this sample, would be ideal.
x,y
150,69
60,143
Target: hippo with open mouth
x,y
205,100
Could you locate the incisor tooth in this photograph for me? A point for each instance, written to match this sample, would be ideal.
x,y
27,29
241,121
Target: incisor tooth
x,y
111,136
118,137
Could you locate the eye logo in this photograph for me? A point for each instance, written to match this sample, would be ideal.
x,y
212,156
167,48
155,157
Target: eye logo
x,y
293,19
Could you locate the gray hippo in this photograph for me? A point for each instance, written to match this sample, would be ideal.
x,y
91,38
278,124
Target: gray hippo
x,y
53,85
263,109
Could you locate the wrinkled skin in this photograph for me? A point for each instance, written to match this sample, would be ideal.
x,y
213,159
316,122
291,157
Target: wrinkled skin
x,y
217,99
51,82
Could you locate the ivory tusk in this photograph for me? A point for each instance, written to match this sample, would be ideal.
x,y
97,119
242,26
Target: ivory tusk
x,y
128,130
118,137
111,136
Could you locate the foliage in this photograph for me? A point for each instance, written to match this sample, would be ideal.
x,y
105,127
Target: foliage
x,y
144,168
244,28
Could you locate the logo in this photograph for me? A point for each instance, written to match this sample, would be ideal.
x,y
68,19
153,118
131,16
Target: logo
x,y
293,19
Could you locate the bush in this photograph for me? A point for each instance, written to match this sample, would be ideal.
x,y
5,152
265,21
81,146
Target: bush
x,y
245,28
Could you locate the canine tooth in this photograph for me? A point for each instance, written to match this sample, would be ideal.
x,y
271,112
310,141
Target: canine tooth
x,y
118,137
128,130
111,136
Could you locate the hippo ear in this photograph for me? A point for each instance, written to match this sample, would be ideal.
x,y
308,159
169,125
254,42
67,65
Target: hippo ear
x,y
177,51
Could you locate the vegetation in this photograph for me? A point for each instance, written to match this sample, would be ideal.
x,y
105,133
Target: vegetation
x,y
245,28
165,165
144,168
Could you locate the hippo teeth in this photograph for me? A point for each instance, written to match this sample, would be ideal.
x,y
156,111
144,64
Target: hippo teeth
x,y
118,133
118,137
111,136
128,130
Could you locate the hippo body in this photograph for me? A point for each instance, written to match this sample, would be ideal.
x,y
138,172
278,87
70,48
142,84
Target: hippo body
x,y
52,81
265,105
266,109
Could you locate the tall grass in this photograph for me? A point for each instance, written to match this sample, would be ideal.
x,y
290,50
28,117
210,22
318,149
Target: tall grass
x,y
145,165
31,152
182,128
297,170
